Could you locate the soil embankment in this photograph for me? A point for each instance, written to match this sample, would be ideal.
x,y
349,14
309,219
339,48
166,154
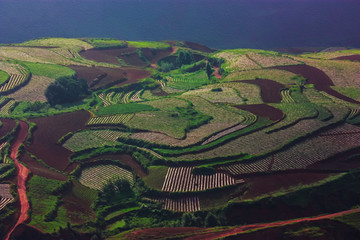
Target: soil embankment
x,y
22,174
315,76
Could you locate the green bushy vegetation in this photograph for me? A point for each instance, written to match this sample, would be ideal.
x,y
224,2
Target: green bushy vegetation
x,y
66,90
148,44
104,43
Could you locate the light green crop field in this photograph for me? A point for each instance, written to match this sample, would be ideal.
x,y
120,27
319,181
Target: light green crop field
x,y
148,44
49,70
3,77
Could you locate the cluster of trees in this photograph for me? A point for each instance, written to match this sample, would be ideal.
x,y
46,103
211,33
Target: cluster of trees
x,y
66,90
203,219
184,58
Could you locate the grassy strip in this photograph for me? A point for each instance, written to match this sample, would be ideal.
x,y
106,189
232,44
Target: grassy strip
x,y
105,43
3,77
148,44
48,70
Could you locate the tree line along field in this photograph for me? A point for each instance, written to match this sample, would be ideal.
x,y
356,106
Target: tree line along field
x,y
152,137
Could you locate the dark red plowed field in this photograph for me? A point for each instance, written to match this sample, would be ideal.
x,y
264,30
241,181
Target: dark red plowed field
x,y
354,58
7,126
40,170
270,90
49,131
101,77
263,110
344,161
265,184
155,55
110,55
124,159
317,77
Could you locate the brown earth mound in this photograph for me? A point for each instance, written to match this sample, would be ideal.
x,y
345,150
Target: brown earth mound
x,y
270,90
263,110
125,159
317,77
198,47
7,126
40,170
49,131
102,77
354,58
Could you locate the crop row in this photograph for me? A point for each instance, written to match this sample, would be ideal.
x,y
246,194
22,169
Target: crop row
x,y
14,81
354,112
303,154
136,97
97,177
109,135
161,83
189,204
4,202
224,133
6,108
182,179
286,98
102,97
261,165
112,119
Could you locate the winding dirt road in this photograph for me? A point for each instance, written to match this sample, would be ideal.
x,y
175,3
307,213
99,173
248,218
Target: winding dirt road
x,y
23,173
246,228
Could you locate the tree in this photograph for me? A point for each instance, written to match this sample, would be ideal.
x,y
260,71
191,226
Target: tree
x,y
209,70
66,90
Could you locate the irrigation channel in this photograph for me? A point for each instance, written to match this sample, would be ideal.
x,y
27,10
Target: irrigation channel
x,y
22,174
258,226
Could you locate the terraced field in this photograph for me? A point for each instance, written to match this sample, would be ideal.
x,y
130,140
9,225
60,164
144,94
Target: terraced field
x,y
97,177
182,179
5,195
110,120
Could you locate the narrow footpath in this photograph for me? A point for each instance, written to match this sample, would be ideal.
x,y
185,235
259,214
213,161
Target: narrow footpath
x,y
22,174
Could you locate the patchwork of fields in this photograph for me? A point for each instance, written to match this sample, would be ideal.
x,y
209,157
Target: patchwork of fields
x,y
172,133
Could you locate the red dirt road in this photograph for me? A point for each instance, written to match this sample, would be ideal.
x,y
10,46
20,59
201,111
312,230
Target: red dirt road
x,y
23,173
242,229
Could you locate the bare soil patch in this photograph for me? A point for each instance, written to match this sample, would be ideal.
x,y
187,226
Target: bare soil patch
x,y
265,184
317,77
102,77
7,126
125,159
344,161
108,55
354,58
263,110
44,144
159,92
40,170
270,90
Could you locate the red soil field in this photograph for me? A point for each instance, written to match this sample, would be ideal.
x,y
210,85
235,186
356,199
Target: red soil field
x,y
159,92
354,58
155,55
44,145
216,73
341,162
317,77
264,184
100,77
198,47
77,208
270,90
110,55
40,170
263,110
7,126
22,174
125,159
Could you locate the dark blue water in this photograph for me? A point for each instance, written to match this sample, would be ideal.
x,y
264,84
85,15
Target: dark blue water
x,y
217,23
